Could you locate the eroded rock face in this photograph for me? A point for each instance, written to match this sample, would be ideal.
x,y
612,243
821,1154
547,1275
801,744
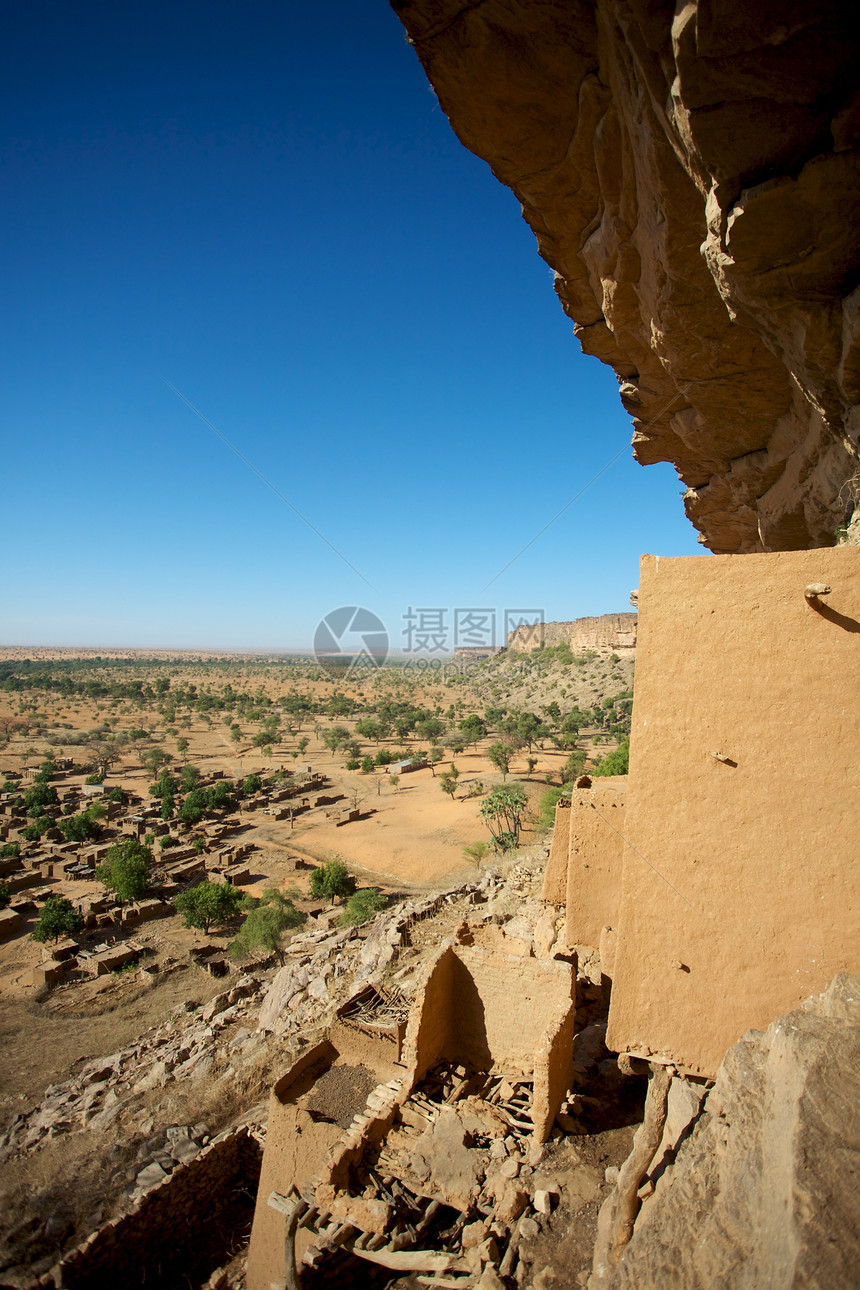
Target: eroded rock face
x,y
691,174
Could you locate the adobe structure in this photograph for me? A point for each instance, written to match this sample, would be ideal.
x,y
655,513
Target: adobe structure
x,y
355,1124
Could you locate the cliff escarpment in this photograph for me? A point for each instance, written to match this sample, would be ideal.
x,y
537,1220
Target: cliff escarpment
x,y
606,634
691,175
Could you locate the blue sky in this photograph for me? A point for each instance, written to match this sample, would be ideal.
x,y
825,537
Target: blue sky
x,y
263,205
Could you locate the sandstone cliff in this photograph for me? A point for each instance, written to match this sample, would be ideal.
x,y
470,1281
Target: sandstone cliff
x,y
691,174
609,632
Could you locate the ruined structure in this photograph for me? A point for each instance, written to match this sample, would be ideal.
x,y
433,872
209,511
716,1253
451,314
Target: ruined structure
x,y
608,634
691,175
388,1174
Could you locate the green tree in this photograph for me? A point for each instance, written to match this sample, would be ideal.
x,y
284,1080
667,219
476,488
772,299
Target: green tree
x,y
370,728
430,728
265,926
182,745
448,781
503,811
548,802
251,784
10,850
5,894
189,778
38,797
208,903
616,762
361,906
79,828
500,755
574,766
125,869
366,765
302,745
58,918
332,880
336,737
473,728
153,759
37,827
529,729
199,845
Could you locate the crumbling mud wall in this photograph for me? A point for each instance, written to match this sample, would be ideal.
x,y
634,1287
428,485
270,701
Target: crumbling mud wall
x,y
181,1231
555,875
741,893
295,1145
691,174
501,1012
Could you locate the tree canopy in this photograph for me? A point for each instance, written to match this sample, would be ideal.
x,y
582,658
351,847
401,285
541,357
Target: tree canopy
x,y
57,918
208,903
361,906
332,880
503,812
265,926
125,869
616,762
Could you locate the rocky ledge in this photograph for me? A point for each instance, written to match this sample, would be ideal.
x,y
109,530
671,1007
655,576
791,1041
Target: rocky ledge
x,y
691,174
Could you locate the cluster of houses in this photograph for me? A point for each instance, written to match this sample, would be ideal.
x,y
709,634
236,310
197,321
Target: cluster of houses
x,y
54,866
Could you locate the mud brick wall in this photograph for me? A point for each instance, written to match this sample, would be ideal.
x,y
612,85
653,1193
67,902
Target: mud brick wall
x,y
595,860
489,1009
743,796
555,875
181,1231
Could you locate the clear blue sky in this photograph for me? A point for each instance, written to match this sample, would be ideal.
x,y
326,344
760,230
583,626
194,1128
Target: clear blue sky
x,y
262,204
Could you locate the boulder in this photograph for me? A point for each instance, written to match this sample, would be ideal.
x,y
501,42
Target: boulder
x,y
764,1190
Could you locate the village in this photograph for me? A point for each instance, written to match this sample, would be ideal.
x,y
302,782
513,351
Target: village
x,y
237,813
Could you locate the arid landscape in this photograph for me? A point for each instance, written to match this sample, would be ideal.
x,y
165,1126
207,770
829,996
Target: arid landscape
x,y
107,727
459,941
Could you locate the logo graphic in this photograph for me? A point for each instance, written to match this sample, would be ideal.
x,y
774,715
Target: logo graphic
x,y
348,638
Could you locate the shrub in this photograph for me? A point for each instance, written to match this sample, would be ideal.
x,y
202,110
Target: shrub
x,y
616,762
361,906
10,850
94,779
548,802
5,894
475,852
265,926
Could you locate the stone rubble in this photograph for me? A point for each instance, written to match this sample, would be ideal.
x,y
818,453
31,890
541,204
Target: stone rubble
x,y
228,1035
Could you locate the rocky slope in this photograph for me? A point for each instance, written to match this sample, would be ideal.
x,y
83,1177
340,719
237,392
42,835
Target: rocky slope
x,y
691,174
